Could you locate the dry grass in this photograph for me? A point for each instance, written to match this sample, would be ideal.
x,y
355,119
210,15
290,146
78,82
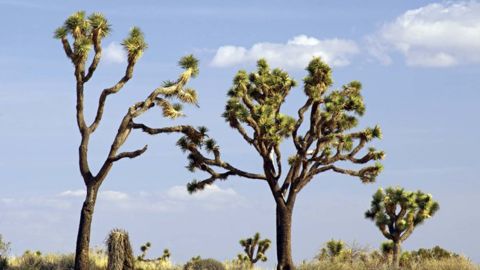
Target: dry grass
x,y
32,261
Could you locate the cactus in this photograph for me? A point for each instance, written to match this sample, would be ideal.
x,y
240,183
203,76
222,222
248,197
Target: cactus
x,y
254,249
120,254
397,212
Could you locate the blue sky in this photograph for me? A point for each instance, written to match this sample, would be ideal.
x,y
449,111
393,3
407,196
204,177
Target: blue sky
x,y
418,62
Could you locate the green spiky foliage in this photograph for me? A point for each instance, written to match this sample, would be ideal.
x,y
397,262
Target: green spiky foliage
x,y
332,250
254,249
321,134
397,212
119,249
79,34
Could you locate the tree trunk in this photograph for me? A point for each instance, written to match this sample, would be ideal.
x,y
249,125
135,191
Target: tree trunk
x,y
83,237
396,254
284,242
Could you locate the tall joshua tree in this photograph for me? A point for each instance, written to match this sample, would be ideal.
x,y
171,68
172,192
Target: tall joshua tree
x,y
398,212
321,141
87,32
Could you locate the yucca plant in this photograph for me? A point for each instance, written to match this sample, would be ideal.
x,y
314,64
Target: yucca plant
x,y
397,212
254,250
78,35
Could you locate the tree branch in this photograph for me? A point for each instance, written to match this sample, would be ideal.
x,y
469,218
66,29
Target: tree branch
x,y
108,91
132,154
96,59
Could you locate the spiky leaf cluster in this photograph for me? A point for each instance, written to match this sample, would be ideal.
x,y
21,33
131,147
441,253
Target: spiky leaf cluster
x,y
176,90
254,249
85,31
255,99
318,80
134,44
397,212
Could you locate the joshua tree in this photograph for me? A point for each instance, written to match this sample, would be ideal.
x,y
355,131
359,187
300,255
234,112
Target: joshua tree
x,y
254,249
144,248
397,213
87,32
320,142
120,254
332,249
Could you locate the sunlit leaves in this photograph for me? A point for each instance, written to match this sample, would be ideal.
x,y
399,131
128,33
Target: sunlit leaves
x,y
189,62
135,43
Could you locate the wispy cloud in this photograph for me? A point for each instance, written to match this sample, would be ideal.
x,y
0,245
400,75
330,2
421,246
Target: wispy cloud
x,y
114,53
436,35
295,53
175,199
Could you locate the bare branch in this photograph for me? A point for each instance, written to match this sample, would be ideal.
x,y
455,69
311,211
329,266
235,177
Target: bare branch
x,y
67,48
132,154
108,91
96,59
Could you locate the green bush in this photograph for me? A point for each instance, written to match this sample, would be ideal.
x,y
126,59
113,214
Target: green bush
x,y
204,264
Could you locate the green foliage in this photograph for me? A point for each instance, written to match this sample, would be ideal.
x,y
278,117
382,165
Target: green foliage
x,y
135,43
318,80
256,99
397,212
202,264
254,249
85,31
387,248
189,62
4,250
332,250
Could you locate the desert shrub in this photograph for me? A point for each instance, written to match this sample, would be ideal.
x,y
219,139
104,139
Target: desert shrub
x,y
4,250
36,261
204,264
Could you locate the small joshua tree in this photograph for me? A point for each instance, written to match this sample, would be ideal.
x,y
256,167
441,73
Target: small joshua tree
x,y
144,248
332,249
398,212
85,32
165,256
321,138
254,249
120,253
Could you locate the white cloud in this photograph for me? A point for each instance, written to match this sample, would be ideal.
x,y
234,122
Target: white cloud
x,y
114,53
73,193
295,53
110,195
436,35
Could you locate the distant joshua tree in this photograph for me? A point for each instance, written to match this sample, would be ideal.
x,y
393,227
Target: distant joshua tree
x,y
144,248
254,249
87,32
321,139
397,213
